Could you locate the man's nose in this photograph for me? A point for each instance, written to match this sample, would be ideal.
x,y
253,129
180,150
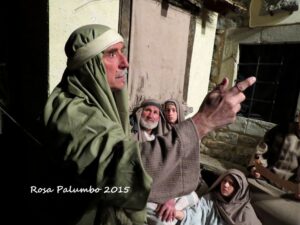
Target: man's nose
x,y
123,61
150,115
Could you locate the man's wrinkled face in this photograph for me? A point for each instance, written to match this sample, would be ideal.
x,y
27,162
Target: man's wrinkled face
x,y
116,65
150,117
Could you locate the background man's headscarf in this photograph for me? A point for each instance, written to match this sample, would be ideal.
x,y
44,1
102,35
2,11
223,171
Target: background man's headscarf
x,y
238,210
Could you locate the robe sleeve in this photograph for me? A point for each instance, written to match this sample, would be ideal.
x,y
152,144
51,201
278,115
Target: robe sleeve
x,y
92,151
173,162
202,213
186,201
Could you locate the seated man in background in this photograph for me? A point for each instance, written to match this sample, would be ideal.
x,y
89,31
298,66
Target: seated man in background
x,y
279,151
148,121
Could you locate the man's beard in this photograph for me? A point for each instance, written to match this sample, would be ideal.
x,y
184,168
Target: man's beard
x,y
148,124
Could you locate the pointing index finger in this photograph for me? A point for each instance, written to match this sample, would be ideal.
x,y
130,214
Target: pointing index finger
x,y
243,85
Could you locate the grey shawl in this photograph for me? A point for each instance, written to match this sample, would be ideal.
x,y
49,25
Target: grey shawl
x,y
238,210
283,155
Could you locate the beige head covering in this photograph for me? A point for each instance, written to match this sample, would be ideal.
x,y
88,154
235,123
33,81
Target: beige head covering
x,y
78,55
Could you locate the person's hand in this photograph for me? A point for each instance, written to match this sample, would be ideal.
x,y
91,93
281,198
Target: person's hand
x,y
166,211
179,215
254,173
220,106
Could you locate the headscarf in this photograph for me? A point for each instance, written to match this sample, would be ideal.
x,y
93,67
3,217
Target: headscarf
x,y
238,210
88,125
179,108
84,69
135,119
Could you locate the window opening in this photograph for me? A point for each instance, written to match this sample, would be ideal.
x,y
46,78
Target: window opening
x,y
276,67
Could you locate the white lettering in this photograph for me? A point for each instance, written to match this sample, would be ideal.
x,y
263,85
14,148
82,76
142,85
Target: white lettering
x,y
59,188
40,190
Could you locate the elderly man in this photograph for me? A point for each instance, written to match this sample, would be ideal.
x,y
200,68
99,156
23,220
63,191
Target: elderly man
x,y
87,122
279,151
147,121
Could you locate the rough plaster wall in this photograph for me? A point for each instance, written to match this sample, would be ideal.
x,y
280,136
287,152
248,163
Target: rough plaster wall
x,y
201,62
157,52
64,17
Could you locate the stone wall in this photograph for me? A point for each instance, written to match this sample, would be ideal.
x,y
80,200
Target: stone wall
x,y
235,143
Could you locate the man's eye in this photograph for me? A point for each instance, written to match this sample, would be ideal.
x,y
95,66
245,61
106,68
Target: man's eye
x,y
111,54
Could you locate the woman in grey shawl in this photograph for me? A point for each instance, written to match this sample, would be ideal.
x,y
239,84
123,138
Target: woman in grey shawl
x,y
228,202
173,111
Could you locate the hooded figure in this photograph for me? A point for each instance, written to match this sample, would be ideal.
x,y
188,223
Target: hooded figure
x,y
135,120
238,210
216,209
87,135
179,110
86,123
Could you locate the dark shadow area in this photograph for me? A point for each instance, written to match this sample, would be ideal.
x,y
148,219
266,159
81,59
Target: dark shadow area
x,y
27,61
209,176
23,92
24,166
276,68
32,179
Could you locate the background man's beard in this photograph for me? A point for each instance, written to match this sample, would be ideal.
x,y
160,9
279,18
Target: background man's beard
x,y
148,124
